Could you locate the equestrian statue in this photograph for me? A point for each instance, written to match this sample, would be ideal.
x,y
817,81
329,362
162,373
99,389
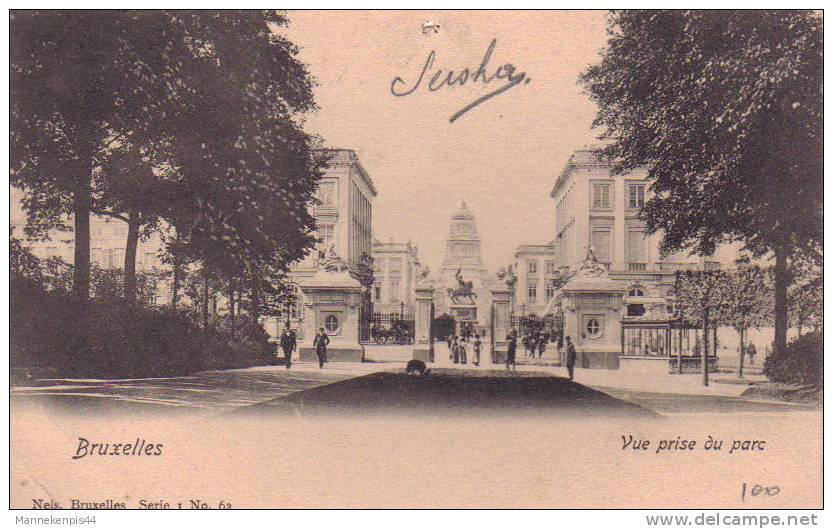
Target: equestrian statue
x,y
465,289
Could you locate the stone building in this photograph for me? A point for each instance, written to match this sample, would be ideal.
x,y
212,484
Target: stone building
x,y
108,240
462,285
395,269
624,307
329,282
535,269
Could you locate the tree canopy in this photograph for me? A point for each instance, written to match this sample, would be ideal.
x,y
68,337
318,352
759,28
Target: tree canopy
x,y
724,108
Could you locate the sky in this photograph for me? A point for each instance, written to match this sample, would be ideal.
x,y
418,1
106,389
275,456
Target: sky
x,y
502,157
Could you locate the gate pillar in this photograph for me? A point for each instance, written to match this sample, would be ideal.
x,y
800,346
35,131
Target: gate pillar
x,y
424,298
500,323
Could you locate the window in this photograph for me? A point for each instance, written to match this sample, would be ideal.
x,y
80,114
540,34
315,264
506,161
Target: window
x,y
327,233
550,289
636,309
601,243
395,266
601,196
327,193
636,196
532,267
331,324
377,292
532,292
593,327
394,289
636,292
551,268
635,245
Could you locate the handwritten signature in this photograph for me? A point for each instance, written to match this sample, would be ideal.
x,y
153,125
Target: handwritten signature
x,y
439,79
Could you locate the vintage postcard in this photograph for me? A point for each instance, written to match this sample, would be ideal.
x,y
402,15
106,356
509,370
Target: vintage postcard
x,y
416,259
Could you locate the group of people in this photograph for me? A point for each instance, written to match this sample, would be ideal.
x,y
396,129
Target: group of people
x,y
512,347
535,341
289,343
458,348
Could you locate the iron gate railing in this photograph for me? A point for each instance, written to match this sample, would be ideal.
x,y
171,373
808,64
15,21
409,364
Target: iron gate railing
x,y
387,329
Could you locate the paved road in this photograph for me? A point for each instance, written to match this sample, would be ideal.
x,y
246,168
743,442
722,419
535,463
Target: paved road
x,y
219,391
210,391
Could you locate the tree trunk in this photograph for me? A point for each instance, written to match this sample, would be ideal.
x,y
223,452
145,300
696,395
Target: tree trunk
x,y
82,201
255,305
205,296
742,333
231,304
130,256
706,347
782,281
177,279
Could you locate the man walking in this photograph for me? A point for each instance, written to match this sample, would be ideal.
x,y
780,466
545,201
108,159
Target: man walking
x,y
477,345
571,357
320,343
751,351
511,347
288,343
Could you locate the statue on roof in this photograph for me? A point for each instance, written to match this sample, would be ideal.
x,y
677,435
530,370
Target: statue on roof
x,y
591,267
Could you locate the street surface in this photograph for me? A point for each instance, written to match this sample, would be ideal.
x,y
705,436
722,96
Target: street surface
x,y
219,391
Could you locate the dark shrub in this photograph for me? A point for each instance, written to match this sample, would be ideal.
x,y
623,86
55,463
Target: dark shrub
x,y
51,334
803,362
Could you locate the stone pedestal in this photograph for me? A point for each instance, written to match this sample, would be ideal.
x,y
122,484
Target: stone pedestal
x,y
592,319
423,348
501,325
332,302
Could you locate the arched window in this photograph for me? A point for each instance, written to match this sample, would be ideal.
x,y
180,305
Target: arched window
x,y
636,292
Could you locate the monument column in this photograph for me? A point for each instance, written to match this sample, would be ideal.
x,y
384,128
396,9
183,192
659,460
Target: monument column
x,y
423,299
500,323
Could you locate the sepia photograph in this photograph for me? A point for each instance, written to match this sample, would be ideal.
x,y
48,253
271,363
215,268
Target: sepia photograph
x,y
370,259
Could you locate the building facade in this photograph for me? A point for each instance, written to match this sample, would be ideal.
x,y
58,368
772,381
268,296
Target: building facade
x,y
535,269
108,240
621,296
395,269
462,286
330,282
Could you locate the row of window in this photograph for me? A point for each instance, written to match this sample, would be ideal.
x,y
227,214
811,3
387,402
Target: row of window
x,y
603,195
532,291
550,267
394,287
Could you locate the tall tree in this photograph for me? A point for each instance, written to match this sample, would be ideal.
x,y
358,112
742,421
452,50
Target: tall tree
x,y
80,81
725,110
700,296
746,303
220,93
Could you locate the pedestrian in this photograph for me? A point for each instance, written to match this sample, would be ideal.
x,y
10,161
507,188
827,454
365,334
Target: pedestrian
x,y
320,343
751,351
288,343
571,357
463,351
542,345
449,340
455,349
511,346
477,345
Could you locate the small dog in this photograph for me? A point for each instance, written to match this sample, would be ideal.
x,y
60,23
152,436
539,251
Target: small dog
x,y
416,368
